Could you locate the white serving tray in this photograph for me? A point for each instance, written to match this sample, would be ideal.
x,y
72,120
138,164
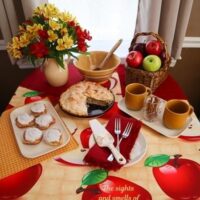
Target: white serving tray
x,y
156,125
33,151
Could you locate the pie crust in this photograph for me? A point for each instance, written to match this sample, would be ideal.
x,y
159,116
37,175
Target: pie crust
x,y
75,99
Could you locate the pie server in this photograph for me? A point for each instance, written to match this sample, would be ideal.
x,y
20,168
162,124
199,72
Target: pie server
x,y
105,139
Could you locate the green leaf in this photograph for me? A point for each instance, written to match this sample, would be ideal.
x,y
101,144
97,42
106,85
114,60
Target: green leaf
x,y
156,160
60,62
31,94
69,53
74,49
32,60
94,177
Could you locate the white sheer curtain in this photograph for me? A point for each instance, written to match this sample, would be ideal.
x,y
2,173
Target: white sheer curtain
x,y
8,23
107,20
169,18
29,5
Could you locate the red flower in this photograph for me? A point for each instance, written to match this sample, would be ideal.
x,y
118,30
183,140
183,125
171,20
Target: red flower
x,y
82,46
87,35
28,22
71,23
78,31
43,34
39,50
82,35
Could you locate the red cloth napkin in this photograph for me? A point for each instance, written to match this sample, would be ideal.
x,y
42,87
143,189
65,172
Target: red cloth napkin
x,y
97,156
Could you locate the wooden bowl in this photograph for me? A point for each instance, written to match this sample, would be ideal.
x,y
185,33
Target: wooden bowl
x,y
83,64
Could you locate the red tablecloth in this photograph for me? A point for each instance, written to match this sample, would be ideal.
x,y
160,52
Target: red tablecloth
x,y
169,89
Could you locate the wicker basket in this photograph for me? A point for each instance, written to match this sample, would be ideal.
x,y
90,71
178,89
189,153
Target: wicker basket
x,y
150,79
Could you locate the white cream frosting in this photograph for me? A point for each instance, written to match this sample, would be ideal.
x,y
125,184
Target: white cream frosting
x,y
38,107
52,135
44,120
32,134
25,118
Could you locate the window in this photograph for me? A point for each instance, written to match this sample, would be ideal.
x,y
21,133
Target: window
x,y
107,21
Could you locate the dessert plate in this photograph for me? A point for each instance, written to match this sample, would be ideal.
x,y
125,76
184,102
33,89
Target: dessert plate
x,y
76,156
138,151
156,125
33,151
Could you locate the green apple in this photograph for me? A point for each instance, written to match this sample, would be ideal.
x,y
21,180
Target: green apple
x,y
151,63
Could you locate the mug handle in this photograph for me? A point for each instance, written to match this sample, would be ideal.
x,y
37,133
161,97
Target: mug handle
x,y
148,91
191,110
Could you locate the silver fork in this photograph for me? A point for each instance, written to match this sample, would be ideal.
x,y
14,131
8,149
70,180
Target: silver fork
x,y
117,130
125,134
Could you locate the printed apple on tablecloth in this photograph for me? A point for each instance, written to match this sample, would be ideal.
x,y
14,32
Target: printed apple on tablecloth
x,y
97,184
178,177
18,184
32,96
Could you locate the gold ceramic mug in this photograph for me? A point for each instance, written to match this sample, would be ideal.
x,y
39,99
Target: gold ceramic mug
x,y
176,113
135,94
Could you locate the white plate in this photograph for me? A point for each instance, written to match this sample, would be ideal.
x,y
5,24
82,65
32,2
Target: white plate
x,y
156,125
137,153
33,151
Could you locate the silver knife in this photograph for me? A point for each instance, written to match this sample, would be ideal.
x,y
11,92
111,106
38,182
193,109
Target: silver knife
x,y
105,139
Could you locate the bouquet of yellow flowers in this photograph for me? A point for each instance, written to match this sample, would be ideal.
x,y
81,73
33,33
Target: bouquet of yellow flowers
x,y
49,34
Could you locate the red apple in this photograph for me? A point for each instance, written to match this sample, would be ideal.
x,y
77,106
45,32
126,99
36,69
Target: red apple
x,y
179,178
134,59
154,47
20,183
115,188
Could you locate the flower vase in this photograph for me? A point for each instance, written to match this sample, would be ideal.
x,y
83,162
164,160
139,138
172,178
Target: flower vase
x,y
56,75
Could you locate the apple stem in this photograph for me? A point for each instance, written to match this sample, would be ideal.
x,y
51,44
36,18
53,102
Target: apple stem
x,y
79,190
93,190
176,158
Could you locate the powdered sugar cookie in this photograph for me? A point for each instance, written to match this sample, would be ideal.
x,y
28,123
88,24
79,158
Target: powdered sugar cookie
x,y
32,136
24,120
53,137
38,109
44,121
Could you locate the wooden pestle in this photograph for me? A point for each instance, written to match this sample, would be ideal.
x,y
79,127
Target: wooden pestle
x,y
105,60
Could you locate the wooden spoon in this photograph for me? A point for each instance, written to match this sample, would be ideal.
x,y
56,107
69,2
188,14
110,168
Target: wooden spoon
x,y
105,60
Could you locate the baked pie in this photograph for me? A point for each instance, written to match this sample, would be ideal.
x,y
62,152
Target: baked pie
x,y
75,100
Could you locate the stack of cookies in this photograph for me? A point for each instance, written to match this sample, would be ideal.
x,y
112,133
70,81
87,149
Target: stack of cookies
x,y
37,126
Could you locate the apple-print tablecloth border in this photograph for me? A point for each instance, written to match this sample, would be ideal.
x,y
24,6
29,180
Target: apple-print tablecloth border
x,y
60,181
